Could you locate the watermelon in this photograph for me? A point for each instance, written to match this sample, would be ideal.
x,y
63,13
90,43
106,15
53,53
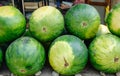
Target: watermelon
x,y
82,20
68,55
113,19
25,56
104,53
46,23
12,24
103,29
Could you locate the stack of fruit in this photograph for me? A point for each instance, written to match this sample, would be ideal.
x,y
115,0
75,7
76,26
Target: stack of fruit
x,y
67,36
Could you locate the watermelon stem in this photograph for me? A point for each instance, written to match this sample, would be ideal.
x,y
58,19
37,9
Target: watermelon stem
x,y
66,63
44,29
116,59
84,23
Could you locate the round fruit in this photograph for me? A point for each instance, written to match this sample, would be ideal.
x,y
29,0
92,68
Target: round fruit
x,y
103,29
104,53
25,56
82,20
113,20
68,55
46,23
12,24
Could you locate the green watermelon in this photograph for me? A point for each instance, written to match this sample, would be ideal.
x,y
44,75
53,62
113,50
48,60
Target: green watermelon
x,y
25,56
113,20
68,55
46,23
104,53
82,20
12,23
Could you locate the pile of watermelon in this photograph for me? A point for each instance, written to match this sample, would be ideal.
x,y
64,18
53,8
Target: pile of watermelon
x,y
69,41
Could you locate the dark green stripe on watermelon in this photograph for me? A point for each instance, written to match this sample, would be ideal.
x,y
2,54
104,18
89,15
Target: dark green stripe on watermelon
x,y
25,56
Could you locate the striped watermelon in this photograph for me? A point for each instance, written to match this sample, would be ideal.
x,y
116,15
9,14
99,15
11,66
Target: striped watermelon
x,y
25,56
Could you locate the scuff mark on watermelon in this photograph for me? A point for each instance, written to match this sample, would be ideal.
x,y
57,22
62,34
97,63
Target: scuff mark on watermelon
x,y
22,70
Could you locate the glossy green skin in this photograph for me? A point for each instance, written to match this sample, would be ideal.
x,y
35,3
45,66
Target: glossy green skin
x,y
25,56
46,23
1,56
79,51
12,24
82,20
112,20
104,53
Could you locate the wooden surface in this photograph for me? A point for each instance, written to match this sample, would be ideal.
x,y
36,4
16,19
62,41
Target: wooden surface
x,y
105,3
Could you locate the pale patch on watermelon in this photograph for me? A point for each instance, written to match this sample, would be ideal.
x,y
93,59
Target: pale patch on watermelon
x,y
7,12
43,11
61,59
116,20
